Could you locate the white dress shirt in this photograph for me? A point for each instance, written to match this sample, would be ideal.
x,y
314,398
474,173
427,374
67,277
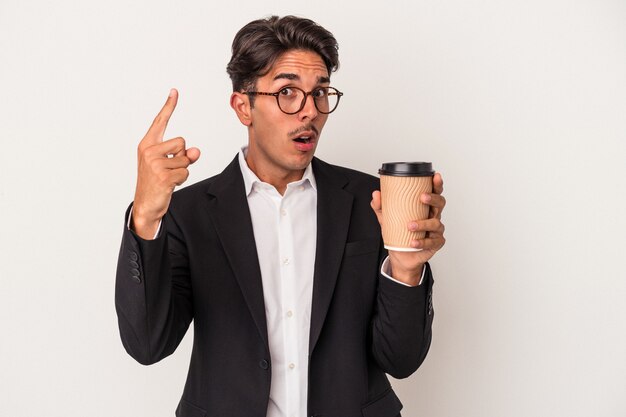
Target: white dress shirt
x,y
285,231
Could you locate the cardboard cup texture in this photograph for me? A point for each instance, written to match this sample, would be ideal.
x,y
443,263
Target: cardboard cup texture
x,y
400,199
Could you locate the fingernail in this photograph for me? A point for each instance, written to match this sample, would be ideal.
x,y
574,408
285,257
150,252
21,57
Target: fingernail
x,y
172,92
426,198
412,227
416,243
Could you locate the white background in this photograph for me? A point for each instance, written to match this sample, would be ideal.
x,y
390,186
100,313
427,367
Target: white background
x,y
520,104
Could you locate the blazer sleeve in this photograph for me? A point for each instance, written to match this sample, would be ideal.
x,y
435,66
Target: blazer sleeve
x,y
401,329
153,297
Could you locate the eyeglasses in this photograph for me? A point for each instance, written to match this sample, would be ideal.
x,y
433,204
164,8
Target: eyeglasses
x,y
292,99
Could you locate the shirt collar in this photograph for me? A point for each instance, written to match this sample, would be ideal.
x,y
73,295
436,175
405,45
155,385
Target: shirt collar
x,y
250,178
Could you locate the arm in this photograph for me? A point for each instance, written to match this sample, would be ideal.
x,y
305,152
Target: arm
x,y
153,292
401,328
402,324
153,297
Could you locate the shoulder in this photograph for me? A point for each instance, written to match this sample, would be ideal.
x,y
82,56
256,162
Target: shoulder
x,y
200,191
193,190
356,180
193,199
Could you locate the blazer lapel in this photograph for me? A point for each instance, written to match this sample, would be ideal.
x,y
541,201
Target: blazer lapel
x,y
231,216
334,206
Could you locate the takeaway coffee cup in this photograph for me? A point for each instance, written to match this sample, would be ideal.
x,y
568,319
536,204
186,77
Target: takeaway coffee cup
x,y
401,184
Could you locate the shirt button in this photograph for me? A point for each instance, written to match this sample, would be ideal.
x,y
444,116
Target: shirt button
x,y
286,261
283,212
264,364
289,313
292,365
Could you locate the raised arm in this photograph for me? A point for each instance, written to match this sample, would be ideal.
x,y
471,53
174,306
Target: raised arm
x,y
153,292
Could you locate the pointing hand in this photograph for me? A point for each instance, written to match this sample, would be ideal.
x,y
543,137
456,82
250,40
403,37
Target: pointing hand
x,y
161,166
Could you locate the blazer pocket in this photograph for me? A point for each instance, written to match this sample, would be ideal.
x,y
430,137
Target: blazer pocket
x,y
361,247
386,406
187,409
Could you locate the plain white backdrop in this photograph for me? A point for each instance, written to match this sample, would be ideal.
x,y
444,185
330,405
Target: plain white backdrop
x,y
521,106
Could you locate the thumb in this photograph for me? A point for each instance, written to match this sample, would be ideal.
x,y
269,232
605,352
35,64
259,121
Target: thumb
x,y
193,154
376,205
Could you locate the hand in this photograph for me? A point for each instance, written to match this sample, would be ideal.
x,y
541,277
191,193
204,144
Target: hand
x,y
161,166
407,266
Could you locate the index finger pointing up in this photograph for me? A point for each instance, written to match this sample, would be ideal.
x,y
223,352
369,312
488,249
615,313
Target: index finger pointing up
x,y
157,129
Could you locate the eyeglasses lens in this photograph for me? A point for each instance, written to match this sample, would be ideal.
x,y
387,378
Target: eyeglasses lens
x,y
292,100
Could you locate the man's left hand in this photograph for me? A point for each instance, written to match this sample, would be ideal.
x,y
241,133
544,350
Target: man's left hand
x,y
407,266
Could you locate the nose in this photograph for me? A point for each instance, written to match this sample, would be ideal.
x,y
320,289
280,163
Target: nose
x,y
309,110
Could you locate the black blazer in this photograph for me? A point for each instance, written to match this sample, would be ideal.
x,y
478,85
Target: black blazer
x,y
203,266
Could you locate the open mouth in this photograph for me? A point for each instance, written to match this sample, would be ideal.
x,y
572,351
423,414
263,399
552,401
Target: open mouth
x,y
303,139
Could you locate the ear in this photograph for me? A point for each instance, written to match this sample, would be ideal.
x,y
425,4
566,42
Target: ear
x,y
241,104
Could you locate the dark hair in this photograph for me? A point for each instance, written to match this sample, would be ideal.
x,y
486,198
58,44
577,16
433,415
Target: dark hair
x,y
261,42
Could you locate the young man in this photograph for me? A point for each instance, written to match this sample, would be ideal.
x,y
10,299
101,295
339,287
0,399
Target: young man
x,y
278,260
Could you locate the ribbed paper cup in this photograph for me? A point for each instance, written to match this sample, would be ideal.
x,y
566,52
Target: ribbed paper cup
x,y
401,184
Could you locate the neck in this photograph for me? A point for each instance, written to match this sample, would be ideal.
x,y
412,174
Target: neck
x,y
272,175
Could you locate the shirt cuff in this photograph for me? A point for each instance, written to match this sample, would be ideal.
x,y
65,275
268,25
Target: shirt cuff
x,y
385,270
130,217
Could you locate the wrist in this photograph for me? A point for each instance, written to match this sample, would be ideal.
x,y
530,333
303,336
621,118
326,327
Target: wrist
x,y
145,226
410,277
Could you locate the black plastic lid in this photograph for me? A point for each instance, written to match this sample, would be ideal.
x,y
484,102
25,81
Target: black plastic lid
x,y
407,169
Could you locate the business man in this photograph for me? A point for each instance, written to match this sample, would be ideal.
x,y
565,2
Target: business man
x,y
278,260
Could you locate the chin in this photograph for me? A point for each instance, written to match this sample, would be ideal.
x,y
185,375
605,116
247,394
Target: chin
x,y
303,162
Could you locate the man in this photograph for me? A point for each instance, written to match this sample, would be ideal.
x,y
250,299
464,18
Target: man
x,y
278,260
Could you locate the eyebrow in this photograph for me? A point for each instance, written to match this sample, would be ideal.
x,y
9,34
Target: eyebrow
x,y
296,77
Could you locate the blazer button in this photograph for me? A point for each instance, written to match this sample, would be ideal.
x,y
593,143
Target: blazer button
x,y
134,264
135,275
264,364
133,256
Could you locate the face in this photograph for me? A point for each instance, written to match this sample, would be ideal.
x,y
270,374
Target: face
x,y
282,145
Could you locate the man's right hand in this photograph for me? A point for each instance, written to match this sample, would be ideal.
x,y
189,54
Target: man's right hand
x,y
161,166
